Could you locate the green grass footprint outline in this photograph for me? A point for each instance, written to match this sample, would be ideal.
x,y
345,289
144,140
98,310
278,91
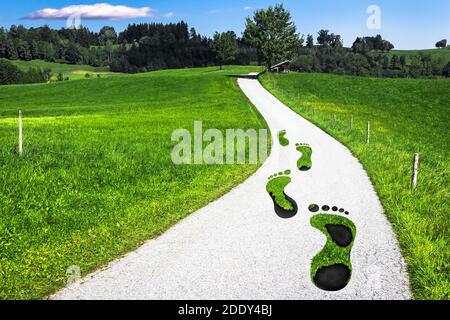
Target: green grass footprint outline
x,y
282,138
331,268
305,161
285,207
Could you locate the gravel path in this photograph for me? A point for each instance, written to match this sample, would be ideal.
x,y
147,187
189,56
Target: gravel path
x,y
238,248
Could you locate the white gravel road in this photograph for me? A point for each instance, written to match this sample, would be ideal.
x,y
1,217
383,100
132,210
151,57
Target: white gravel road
x,y
238,248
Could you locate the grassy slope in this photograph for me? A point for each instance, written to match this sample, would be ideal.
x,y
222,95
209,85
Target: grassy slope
x,y
407,116
437,53
73,71
97,178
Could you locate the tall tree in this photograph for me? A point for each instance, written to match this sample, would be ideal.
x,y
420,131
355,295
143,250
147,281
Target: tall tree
x,y
107,34
310,41
403,62
224,46
9,73
324,38
441,44
385,62
394,61
336,41
273,34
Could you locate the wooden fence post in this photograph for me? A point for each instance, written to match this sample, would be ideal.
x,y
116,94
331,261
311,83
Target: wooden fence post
x,y
20,134
415,172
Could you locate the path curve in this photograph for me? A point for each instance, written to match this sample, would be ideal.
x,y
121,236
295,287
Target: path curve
x,y
238,248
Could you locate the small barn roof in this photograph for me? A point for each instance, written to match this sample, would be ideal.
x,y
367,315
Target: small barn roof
x,y
281,63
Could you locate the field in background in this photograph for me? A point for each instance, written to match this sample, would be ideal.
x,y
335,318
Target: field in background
x,y
407,116
73,71
97,179
436,53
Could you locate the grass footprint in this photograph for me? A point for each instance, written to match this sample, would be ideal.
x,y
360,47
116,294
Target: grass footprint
x,y
285,207
282,138
331,268
305,162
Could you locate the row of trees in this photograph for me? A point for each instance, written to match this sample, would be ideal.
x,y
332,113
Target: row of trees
x,y
65,45
274,35
139,48
270,37
346,61
148,47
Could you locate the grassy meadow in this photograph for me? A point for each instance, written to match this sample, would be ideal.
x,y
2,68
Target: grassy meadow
x,y
72,71
407,116
96,179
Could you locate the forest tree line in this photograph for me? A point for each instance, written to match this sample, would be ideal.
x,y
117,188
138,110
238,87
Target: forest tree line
x,y
270,37
139,48
368,56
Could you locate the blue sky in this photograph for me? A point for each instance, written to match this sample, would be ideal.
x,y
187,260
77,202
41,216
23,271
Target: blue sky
x,y
409,24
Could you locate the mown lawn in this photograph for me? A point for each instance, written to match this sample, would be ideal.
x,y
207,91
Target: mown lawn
x,y
407,116
97,179
72,71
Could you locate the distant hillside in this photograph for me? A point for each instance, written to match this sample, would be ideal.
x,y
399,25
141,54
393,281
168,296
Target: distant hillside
x,y
444,53
73,71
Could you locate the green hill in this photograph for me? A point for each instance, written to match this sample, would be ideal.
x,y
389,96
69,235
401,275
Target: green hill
x,y
436,53
73,71
407,116
97,178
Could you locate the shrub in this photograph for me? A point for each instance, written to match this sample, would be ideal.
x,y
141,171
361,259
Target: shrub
x,y
9,73
34,75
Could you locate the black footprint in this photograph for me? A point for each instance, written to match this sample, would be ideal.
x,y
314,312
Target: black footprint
x,y
331,268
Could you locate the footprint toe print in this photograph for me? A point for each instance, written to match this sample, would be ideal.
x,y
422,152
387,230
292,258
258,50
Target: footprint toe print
x,y
331,268
305,162
285,207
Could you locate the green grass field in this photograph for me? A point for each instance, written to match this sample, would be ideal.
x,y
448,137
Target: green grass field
x,y
406,116
436,53
97,179
73,71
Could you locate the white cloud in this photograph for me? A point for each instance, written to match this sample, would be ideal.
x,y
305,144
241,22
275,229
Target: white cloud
x,y
168,15
94,11
247,8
